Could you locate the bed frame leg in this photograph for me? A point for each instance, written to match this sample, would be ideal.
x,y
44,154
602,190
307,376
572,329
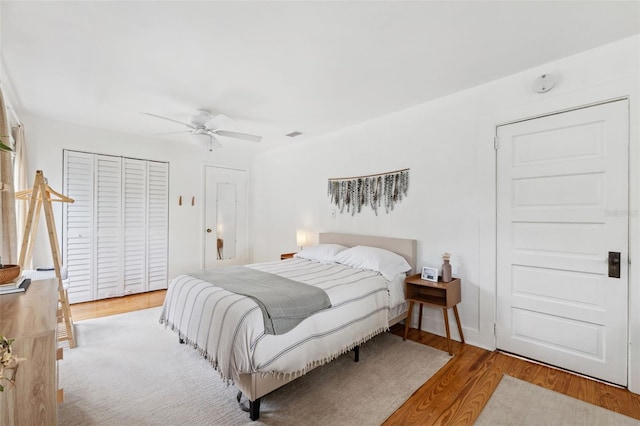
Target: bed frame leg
x,y
254,409
181,341
356,354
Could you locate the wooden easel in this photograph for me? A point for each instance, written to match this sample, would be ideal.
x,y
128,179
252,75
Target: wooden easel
x,y
39,197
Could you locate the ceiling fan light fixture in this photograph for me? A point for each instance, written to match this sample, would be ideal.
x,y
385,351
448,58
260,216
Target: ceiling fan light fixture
x,y
201,139
205,140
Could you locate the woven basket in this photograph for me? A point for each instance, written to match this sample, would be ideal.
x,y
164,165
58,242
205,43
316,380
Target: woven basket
x,y
8,273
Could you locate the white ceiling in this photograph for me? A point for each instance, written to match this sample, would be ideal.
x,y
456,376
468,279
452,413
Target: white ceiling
x,y
276,67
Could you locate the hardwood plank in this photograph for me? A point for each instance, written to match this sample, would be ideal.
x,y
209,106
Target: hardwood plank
x,y
458,392
117,305
473,393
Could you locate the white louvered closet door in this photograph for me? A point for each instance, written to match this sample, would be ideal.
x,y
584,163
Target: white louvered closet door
x,y
157,224
115,236
78,226
108,226
134,217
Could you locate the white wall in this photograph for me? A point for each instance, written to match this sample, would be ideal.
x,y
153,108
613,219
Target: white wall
x,y
448,144
46,140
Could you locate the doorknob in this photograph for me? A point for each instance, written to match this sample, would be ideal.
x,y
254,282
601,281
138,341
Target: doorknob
x,y
208,230
614,264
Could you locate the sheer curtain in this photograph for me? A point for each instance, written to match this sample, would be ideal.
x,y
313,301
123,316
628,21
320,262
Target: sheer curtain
x,y
8,230
21,178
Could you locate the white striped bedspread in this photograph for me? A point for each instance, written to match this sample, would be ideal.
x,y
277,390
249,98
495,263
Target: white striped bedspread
x,y
228,329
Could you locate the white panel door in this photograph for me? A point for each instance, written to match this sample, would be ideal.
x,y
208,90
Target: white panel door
x,y
225,217
77,231
562,207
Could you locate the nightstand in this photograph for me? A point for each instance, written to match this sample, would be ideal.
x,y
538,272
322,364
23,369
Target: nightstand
x,y
443,295
284,256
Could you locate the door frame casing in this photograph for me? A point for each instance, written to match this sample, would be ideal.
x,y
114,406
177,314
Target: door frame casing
x,y
486,175
204,209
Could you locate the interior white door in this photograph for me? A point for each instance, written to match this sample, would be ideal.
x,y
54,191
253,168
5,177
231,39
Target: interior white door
x,y
225,217
562,185
108,225
115,236
78,225
134,224
157,210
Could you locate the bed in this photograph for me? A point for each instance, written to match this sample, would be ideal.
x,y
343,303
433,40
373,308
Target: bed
x,y
230,330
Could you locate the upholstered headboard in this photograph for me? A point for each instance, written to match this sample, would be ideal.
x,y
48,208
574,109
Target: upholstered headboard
x,y
402,246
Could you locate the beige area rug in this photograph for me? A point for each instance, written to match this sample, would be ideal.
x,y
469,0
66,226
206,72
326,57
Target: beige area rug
x,y
516,402
130,370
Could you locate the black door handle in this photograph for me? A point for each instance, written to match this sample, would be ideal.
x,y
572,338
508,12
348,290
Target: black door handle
x,y
614,264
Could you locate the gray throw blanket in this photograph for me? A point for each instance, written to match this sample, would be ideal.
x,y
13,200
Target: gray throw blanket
x,y
284,303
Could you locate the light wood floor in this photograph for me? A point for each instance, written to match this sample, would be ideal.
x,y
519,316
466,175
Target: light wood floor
x,y
456,394
117,305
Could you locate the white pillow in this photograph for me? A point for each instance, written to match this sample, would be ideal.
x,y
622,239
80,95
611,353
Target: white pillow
x,y
389,264
323,253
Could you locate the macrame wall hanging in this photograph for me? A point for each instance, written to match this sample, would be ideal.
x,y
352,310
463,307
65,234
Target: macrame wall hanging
x,y
373,190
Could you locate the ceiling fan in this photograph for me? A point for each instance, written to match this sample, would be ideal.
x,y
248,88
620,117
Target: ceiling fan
x,y
204,127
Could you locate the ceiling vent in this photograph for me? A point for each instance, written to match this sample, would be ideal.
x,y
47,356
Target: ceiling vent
x,y
294,134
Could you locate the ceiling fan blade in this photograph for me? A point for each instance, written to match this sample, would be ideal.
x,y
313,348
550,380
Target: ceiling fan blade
x,y
244,136
171,133
168,119
218,121
214,144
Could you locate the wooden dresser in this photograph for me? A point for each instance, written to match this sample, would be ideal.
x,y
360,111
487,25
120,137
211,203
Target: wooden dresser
x,y
31,319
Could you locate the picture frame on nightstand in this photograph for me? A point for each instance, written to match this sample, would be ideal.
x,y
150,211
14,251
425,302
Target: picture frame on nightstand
x,y
429,274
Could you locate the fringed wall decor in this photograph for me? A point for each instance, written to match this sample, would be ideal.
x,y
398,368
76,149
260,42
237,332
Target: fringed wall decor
x,y
372,190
